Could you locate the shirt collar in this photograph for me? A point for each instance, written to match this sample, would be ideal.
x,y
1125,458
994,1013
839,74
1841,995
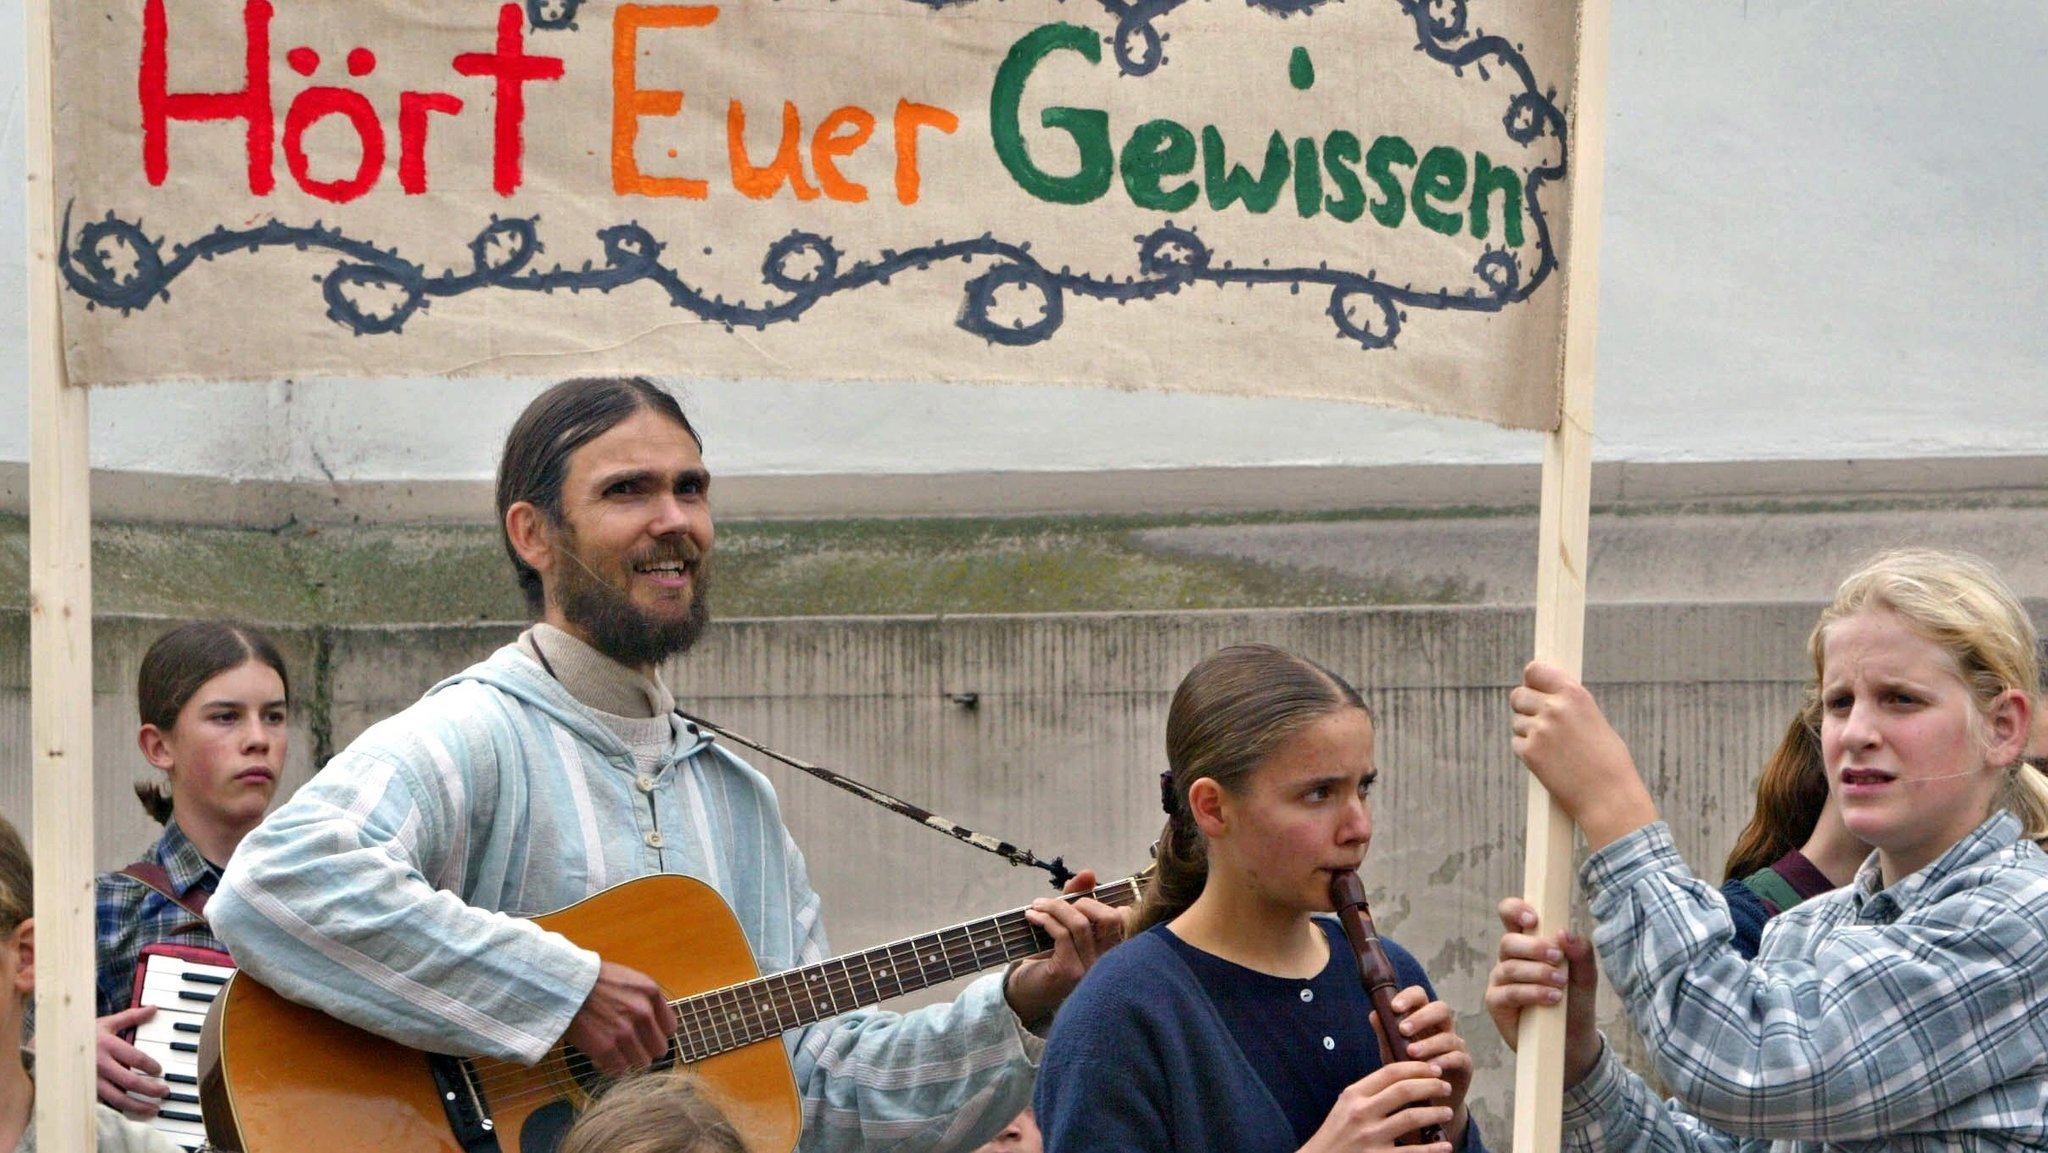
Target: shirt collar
x,y
595,679
1874,902
187,866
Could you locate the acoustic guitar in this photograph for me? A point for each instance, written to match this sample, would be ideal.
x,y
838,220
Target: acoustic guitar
x,y
278,1077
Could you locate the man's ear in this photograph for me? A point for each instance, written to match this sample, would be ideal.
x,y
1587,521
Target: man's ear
x,y
532,536
22,943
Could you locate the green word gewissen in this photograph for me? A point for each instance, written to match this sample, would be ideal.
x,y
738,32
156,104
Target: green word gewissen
x,y
1157,161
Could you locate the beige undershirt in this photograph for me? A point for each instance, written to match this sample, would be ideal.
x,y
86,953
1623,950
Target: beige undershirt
x,y
638,708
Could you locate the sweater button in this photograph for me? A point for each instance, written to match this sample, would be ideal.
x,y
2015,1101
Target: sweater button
x,y
1329,1042
654,840
646,784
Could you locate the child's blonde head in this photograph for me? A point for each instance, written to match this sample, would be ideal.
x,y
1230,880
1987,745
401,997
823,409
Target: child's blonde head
x,y
1965,608
666,1112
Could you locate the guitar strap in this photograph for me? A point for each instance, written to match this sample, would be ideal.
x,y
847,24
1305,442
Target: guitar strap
x,y
153,875
930,820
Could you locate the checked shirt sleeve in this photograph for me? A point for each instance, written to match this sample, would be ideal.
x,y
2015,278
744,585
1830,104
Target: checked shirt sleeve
x,y
1865,1030
1613,1111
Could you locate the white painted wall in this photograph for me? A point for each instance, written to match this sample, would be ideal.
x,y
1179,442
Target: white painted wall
x,y
1822,243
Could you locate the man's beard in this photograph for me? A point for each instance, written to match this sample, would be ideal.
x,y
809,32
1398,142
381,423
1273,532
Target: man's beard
x,y
614,625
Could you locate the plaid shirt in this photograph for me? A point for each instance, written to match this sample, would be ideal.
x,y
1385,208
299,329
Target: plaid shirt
x,y
129,914
1907,1018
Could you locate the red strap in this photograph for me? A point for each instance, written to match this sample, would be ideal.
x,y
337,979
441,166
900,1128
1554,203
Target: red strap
x,y
152,874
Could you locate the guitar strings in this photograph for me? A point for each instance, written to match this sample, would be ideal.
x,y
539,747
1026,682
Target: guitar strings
x,y
699,1028
960,949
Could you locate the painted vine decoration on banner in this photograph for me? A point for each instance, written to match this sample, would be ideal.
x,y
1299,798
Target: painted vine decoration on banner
x,y
113,263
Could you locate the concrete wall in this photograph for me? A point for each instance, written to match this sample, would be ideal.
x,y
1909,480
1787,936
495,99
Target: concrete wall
x,y
1061,751
1822,242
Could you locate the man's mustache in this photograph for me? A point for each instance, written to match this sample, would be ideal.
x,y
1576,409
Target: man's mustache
x,y
681,549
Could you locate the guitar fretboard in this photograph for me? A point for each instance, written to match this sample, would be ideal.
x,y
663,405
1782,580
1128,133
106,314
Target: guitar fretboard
x,y
722,1019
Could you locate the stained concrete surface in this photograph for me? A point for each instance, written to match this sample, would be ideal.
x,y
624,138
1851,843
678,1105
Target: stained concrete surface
x,y
1679,557
389,574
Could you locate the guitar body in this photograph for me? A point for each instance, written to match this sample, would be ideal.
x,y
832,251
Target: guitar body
x,y
278,1077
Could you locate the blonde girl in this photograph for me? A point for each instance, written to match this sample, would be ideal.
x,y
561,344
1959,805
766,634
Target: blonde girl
x,y
1907,1010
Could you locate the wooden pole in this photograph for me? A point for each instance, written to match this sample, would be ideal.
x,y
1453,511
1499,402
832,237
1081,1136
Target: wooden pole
x,y
1561,567
60,645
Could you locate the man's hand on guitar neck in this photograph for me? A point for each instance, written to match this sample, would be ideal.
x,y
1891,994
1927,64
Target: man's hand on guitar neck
x,y
625,1023
1081,931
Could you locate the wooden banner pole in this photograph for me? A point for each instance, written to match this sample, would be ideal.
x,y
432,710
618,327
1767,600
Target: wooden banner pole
x,y
1561,567
60,645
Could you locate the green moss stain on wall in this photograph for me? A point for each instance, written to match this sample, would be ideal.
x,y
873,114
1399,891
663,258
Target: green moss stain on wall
x,y
403,575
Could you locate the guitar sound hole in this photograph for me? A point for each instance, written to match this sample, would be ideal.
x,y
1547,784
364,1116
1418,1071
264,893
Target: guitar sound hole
x,y
593,1083
545,1127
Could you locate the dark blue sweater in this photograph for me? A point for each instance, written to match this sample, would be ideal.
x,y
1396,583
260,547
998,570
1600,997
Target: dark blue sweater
x,y
1755,899
1140,1060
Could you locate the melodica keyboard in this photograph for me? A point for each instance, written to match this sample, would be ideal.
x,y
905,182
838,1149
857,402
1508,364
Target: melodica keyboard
x,y
182,990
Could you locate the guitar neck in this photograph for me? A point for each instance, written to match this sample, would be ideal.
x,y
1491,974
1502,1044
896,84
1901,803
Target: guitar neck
x,y
723,1019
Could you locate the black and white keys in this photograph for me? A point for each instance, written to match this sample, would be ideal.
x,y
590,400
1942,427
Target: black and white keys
x,y
182,990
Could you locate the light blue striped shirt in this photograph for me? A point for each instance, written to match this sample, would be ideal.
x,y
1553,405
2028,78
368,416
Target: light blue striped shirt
x,y
390,892
1904,1019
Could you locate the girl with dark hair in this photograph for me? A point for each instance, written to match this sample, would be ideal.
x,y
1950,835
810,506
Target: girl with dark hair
x,y
1795,846
1238,1020
213,698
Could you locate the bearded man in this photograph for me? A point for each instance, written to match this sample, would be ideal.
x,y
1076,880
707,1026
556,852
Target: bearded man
x,y
559,767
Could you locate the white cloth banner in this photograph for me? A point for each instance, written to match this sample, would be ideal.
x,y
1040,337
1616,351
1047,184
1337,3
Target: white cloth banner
x,y
1359,199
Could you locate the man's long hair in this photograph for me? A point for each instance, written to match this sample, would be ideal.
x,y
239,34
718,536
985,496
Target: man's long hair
x,y
561,420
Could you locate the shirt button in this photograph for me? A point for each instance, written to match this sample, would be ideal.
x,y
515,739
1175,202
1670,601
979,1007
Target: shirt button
x,y
1329,1043
646,784
1308,995
653,840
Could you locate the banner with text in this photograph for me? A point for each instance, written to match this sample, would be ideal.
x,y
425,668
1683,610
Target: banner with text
x,y
1359,199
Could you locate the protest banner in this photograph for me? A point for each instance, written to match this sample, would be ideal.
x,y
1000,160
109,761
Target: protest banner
x,y
1370,200
1358,200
